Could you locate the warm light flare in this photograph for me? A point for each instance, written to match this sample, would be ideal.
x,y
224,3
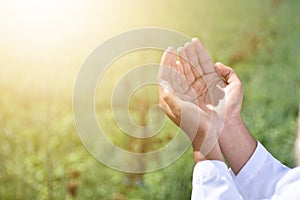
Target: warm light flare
x,y
31,25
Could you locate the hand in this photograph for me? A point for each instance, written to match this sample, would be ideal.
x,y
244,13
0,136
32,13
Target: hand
x,y
201,75
173,84
236,141
233,91
175,96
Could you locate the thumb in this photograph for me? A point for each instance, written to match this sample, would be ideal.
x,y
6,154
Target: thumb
x,y
172,101
226,72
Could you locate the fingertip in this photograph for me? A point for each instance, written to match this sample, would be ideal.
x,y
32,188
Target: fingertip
x,y
168,57
180,49
182,54
170,50
187,44
195,39
218,64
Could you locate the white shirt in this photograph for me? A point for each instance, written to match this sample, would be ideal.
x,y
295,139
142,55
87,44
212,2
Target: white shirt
x,y
263,177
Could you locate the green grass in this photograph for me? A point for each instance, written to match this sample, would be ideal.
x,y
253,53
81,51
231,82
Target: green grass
x,y
40,150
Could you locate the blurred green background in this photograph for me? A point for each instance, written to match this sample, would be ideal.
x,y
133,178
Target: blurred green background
x,y
44,43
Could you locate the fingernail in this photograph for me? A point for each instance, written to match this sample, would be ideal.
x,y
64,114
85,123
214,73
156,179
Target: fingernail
x,y
170,48
186,44
179,49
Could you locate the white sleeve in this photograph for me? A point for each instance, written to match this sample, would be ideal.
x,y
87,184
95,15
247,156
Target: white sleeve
x,y
259,177
289,186
212,180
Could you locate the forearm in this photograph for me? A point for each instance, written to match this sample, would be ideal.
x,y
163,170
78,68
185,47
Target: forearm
x,y
236,143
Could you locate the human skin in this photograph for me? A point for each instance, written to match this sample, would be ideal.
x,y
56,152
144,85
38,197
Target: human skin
x,y
171,88
236,142
211,83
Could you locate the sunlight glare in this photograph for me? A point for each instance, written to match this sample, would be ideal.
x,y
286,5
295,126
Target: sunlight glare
x,y
33,23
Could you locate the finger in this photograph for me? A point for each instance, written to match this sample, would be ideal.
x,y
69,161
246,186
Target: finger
x,y
167,110
176,72
167,61
189,76
179,68
181,83
203,57
168,58
170,104
164,85
226,73
193,59
162,104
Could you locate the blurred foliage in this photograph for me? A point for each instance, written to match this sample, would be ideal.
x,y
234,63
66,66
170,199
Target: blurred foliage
x,y
41,154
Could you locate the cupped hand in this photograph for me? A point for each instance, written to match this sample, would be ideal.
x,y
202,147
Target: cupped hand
x,y
176,96
233,91
180,100
201,75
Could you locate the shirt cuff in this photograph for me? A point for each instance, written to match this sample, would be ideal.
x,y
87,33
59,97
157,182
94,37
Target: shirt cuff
x,y
210,168
211,180
257,179
255,162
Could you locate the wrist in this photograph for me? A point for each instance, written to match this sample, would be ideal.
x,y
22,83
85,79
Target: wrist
x,y
214,154
232,121
237,143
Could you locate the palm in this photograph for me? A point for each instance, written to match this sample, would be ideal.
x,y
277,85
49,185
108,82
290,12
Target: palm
x,y
187,95
201,76
175,91
193,78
